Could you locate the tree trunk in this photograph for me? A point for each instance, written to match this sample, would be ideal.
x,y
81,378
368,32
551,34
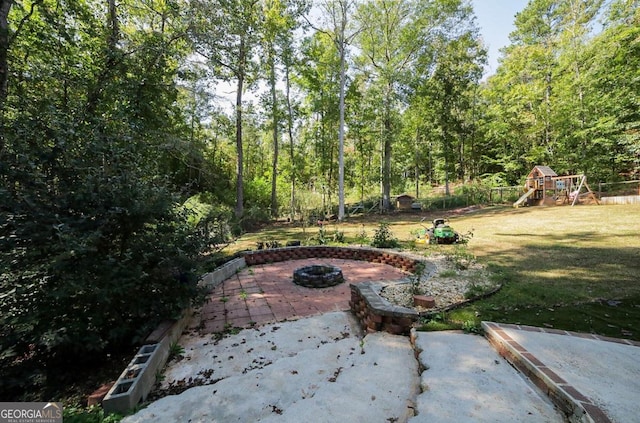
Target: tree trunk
x,y
274,116
239,211
341,136
386,169
113,26
291,148
5,7
416,166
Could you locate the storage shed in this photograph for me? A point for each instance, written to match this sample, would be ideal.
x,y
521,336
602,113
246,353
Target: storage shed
x,y
404,202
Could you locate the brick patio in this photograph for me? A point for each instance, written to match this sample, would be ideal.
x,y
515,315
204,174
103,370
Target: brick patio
x,y
266,293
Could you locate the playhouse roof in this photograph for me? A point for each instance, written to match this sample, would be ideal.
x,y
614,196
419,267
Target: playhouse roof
x,y
544,171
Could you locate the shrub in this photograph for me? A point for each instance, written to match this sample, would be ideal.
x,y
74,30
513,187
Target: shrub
x,y
322,238
82,273
384,238
93,414
362,237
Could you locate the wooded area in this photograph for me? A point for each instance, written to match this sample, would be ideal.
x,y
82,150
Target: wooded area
x,y
133,132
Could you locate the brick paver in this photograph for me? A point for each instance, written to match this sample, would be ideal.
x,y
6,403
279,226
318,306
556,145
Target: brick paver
x,y
266,293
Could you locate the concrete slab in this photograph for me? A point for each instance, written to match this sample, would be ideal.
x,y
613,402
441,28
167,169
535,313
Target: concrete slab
x,y
595,370
316,369
467,381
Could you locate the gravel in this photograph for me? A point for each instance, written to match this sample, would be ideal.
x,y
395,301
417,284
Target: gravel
x,y
453,278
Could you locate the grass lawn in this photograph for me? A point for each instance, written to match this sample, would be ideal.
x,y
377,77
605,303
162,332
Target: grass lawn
x,y
574,268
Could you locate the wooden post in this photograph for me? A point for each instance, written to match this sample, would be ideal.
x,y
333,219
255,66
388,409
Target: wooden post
x,y
575,198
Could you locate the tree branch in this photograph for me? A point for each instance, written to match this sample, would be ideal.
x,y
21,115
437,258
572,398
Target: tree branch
x,y
24,19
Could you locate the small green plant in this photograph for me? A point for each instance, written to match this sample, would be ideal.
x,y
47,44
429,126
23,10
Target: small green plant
x,y
437,322
338,236
361,237
175,350
476,291
433,326
384,238
461,257
471,326
231,330
224,299
93,414
416,277
272,244
243,295
159,376
447,273
321,238
465,238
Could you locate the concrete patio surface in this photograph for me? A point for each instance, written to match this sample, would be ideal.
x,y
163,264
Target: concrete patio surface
x,y
302,357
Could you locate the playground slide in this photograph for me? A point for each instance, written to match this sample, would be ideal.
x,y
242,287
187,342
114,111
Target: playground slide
x,y
524,197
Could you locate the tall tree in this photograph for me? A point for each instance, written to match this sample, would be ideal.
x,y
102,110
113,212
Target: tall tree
x,y
395,36
226,33
338,11
319,75
5,8
275,21
280,22
451,89
288,60
570,114
611,97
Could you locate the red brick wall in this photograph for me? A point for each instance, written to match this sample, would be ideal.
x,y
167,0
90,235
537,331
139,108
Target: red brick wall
x,y
372,255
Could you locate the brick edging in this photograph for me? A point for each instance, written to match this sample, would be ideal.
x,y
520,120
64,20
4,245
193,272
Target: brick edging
x,y
373,255
582,335
575,405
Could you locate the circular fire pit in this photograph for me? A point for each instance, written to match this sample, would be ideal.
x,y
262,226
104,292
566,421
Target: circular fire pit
x,y
318,276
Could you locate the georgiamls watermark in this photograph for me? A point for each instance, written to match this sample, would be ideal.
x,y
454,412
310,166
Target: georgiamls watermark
x,y
30,412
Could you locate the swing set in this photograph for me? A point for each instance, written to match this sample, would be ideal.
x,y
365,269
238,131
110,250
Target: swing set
x,y
545,187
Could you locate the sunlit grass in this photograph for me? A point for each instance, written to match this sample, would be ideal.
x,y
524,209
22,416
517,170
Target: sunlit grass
x,y
576,261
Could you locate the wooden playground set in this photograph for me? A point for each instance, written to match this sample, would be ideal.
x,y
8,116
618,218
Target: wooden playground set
x,y
545,187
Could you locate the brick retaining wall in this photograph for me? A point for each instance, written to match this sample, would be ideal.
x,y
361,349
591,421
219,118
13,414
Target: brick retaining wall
x,y
376,314
372,255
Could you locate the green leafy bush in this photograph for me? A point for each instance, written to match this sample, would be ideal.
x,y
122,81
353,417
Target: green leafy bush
x,y
322,238
384,238
89,415
338,236
82,273
96,273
